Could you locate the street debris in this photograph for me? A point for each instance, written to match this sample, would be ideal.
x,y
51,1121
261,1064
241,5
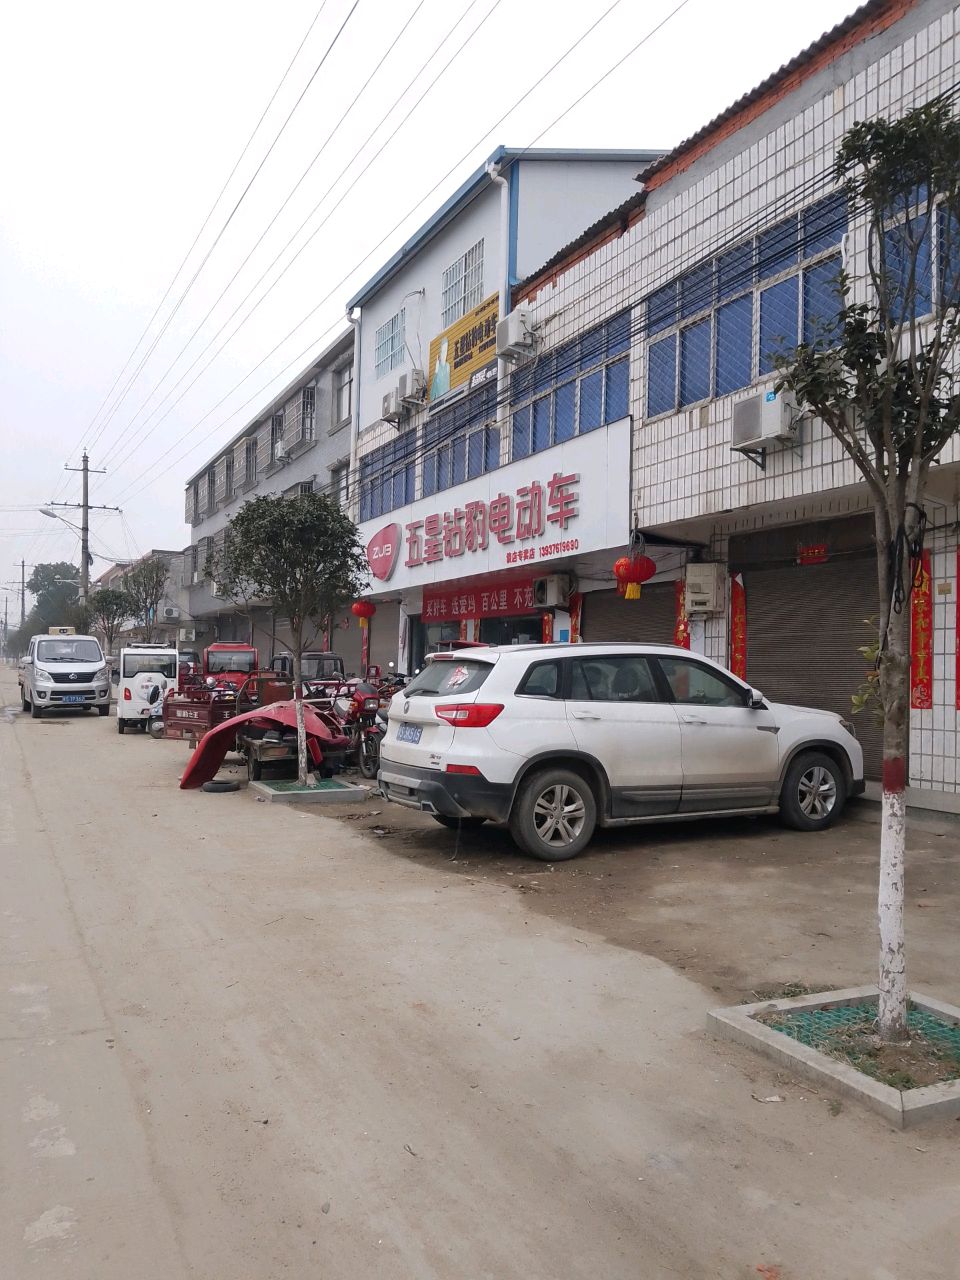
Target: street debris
x,y
410,1151
774,1097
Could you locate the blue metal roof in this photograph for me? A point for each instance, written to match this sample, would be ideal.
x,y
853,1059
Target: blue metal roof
x,y
466,192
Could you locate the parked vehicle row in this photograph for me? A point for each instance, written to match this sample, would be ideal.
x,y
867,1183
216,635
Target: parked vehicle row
x,y
556,741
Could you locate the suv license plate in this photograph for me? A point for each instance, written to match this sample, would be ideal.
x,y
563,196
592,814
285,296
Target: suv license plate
x,y
409,733
74,697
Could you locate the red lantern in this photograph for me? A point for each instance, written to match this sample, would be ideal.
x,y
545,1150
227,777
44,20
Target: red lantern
x,y
364,610
630,571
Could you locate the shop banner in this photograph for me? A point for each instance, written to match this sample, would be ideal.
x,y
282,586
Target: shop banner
x,y
484,599
681,628
921,642
570,500
463,348
576,613
738,627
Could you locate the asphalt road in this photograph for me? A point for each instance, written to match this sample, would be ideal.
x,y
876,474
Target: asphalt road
x,y
238,1044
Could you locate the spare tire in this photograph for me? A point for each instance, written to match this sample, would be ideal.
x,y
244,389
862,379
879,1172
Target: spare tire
x,y
217,785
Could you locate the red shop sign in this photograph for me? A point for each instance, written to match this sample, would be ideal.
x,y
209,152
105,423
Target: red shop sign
x,y
813,553
486,599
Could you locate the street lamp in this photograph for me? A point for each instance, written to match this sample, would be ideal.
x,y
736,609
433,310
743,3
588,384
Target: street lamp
x,y
55,515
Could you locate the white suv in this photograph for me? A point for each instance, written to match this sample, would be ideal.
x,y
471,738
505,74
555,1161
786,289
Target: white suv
x,y
554,739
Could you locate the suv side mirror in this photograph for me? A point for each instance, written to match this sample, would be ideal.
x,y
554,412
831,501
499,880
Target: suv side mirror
x,y
757,702
27,660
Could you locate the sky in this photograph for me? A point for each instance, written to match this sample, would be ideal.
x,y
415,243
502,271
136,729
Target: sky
x,y
124,122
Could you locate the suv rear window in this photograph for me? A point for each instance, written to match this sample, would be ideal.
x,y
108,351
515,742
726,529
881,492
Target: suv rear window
x,y
449,675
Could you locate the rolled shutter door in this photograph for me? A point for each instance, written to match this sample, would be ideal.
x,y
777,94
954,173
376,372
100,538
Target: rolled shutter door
x,y
609,619
804,625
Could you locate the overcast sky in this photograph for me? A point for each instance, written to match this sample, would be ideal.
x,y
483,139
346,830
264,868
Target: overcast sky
x,y
121,124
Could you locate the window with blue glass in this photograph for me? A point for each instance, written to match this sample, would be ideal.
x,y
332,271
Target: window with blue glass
x,y
461,442
387,477
573,389
909,268
716,328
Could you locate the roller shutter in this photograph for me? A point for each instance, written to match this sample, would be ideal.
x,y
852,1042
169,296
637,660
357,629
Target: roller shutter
x,y
609,619
804,625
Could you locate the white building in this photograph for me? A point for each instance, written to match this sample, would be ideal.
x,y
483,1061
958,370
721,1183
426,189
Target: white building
x,y
728,256
458,522
298,442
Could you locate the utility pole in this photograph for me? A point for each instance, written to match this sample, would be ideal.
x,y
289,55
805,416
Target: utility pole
x,y
85,508
23,592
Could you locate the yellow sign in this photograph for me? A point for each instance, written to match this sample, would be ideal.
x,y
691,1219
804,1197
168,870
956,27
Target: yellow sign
x,y
463,348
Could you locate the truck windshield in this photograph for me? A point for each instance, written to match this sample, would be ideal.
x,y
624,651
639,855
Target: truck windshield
x,y
153,664
234,660
69,649
321,666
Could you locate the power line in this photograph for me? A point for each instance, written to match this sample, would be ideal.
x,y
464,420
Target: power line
x,y
263,235
141,436
59,487
229,218
553,67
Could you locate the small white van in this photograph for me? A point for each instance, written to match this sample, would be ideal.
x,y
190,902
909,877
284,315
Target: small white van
x,y
147,671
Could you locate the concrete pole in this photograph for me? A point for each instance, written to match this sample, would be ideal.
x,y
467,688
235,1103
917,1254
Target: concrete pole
x,y
85,533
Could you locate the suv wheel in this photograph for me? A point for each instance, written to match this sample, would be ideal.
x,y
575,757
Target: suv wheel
x,y
35,711
554,815
24,704
814,792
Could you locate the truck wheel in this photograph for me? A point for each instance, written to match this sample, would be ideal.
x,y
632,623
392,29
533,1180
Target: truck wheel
x,y
120,725
814,792
554,815
35,711
254,769
24,704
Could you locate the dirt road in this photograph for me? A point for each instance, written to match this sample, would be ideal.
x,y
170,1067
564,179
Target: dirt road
x,y
239,1045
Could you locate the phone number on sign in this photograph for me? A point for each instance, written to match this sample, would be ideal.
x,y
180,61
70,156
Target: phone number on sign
x,y
543,553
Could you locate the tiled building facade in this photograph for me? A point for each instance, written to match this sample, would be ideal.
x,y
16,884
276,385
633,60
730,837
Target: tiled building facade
x,y
729,256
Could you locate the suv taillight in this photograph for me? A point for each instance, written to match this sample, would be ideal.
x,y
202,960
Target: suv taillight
x,y
469,715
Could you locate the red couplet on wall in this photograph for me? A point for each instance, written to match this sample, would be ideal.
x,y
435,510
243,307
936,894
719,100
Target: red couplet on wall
x,y
738,627
681,626
921,638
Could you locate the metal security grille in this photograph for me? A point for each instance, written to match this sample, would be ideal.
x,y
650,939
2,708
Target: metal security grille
x,y
609,619
804,625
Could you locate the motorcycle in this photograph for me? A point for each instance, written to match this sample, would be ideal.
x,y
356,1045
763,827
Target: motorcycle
x,y
359,712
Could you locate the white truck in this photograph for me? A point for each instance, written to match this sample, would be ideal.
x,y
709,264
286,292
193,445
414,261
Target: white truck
x,y
147,671
61,669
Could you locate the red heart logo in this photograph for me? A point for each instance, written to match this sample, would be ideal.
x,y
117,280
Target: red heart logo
x,y
382,551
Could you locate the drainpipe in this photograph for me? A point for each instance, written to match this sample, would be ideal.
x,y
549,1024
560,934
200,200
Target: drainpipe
x,y
503,416
353,480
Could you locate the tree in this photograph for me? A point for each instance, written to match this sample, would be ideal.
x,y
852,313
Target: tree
x,y
110,609
144,586
302,554
884,380
56,589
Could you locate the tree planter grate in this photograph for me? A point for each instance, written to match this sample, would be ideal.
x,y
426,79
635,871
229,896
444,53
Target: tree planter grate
x,y
826,1029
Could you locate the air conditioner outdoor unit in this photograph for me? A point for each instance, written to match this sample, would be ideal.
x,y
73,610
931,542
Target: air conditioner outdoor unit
x,y
187,633
762,420
705,588
412,388
391,409
515,335
282,452
171,613
553,592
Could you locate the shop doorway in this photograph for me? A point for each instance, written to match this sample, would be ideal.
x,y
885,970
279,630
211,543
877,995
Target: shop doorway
x,y
528,630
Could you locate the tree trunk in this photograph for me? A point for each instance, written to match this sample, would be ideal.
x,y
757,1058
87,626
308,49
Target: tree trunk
x,y
298,706
895,695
